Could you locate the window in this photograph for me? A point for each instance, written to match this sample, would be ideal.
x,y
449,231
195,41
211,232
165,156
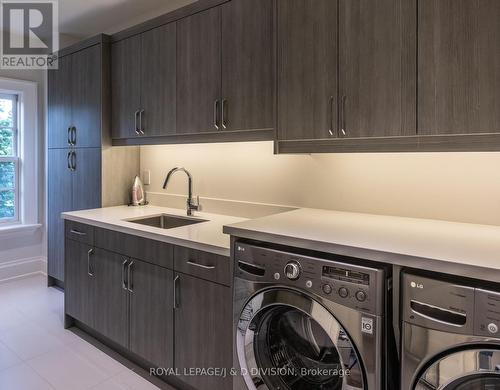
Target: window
x,y
19,175
9,160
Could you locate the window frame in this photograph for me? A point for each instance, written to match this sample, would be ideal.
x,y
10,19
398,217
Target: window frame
x,y
14,158
28,174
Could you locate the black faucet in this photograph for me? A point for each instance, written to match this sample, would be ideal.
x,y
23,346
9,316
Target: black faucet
x,y
190,204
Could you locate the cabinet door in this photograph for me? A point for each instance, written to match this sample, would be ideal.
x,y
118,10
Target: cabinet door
x,y
86,191
125,86
248,72
198,71
111,302
203,330
307,69
59,104
59,188
158,80
78,292
377,68
86,96
151,313
458,66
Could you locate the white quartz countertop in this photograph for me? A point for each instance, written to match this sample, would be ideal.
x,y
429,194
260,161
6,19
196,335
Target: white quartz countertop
x,y
206,236
454,248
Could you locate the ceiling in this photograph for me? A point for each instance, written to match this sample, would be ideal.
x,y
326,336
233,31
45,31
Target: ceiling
x,y
80,19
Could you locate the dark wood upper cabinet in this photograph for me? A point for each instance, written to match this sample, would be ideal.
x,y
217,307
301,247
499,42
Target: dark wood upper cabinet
x,y
248,65
111,303
199,72
59,104
458,66
377,72
125,87
307,69
151,313
158,80
86,97
203,317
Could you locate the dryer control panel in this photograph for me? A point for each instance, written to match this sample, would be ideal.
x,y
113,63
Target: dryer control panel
x,y
355,286
450,307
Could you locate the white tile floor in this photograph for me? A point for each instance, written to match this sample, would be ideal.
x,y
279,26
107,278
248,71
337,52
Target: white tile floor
x,y
37,353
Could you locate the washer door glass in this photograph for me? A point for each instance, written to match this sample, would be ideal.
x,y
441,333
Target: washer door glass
x,y
476,382
473,369
289,341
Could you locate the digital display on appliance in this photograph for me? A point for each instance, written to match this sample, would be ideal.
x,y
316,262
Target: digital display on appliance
x,y
346,275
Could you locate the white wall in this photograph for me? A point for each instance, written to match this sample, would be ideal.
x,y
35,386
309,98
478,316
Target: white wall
x,y
451,186
30,246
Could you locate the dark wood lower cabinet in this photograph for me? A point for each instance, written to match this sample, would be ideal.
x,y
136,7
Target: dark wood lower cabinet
x,y
203,329
151,314
111,296
151,310
79,298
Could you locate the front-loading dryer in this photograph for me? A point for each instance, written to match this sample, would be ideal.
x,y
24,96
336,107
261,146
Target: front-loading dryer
x,y
450,336
307,323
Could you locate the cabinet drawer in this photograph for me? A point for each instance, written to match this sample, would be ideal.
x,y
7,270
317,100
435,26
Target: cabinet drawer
x,y
204,265
151,251
79,232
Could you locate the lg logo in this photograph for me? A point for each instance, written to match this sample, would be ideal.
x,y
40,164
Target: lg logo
x,y
416,285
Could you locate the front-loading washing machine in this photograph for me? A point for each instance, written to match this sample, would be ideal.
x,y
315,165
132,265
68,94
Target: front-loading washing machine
x,y
450,335
307,323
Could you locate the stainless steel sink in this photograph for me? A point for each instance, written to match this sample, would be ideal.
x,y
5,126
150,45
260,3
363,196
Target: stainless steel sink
x,y
167,221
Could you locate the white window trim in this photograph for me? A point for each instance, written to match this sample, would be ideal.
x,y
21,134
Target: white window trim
x,y
28,138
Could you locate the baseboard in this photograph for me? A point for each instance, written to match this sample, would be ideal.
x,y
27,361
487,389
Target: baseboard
x,y
22,268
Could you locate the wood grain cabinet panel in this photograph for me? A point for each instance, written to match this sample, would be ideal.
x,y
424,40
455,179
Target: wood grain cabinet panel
x,y
151,313
79,292
111,296
248,65
377,72
59,104
199,71
86,97
203,330
158,80
307,69
125,87
458,66
60,183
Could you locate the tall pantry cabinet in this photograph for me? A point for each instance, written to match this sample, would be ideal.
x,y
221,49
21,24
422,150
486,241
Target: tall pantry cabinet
x,y
78,113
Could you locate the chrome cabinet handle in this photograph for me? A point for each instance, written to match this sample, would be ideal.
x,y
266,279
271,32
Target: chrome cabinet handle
x,y
141,130
130,286
69,139
342,110
90,272
216,114
224,114
176,292
69,161
136,114
73,160
330,102
77,232
124,284
73,135
200,265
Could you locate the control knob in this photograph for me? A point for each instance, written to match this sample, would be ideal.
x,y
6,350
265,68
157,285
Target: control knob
x,y
361,296
343,292
292,270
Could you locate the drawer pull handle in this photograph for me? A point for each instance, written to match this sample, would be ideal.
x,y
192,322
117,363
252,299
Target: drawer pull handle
x,y
200,265
124,283
78,233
